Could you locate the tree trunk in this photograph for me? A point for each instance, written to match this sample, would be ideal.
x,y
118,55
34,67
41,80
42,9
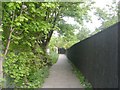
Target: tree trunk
x,y
1,60
8,43
51,31
1,70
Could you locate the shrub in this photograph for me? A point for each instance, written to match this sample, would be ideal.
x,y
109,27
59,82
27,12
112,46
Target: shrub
x,y
22,67
53,56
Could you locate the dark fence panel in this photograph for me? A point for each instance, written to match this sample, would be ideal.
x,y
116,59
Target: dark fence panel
x,y
119,55
97,57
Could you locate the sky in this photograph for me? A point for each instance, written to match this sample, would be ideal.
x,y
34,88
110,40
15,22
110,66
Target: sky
x,y
95,22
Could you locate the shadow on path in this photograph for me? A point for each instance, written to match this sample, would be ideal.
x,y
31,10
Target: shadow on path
x,y
61,75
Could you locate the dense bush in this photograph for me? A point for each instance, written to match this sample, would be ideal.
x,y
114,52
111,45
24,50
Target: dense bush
x,y
24,38
25,69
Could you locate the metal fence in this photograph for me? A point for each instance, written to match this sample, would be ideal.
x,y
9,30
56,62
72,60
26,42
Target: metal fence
x,y
98,57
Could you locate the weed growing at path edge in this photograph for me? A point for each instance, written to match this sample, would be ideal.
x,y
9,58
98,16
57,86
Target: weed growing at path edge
x,y
83,81
54,57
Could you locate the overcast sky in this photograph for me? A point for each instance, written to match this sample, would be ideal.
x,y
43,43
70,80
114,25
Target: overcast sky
x,y
101,4
95,22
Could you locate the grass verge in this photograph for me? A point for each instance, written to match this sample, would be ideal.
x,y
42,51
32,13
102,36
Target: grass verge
x,y
83,81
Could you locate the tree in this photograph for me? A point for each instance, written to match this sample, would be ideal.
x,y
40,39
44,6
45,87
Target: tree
x,y
78,12
31,22
27,31
83,33
108,18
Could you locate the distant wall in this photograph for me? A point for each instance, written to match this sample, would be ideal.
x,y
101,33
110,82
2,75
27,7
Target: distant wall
x,y
61,51
98,57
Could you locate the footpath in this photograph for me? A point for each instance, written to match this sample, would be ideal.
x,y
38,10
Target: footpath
x,y
62,75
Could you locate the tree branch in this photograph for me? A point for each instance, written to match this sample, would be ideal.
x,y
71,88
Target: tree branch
x,y
11,31
51,31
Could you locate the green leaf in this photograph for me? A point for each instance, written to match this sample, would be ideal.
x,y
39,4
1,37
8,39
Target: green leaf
x,y
18,23
1,29
10,4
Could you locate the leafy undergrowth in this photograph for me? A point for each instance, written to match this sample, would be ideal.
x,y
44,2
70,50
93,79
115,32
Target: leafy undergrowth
x,y
83,81
25,70
53,56
37,79
2,80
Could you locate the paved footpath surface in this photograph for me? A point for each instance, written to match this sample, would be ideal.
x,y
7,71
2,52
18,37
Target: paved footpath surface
x,y
62,75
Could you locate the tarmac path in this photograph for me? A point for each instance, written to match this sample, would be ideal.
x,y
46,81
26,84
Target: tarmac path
x,y
62,75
